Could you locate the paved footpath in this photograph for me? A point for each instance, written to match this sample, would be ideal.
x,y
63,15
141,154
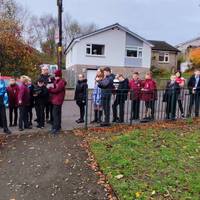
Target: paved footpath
x,y
45,167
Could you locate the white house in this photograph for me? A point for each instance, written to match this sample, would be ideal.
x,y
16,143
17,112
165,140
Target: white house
x,y
114,46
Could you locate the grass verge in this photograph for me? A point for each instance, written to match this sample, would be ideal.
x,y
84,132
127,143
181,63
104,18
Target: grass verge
x,y
151,164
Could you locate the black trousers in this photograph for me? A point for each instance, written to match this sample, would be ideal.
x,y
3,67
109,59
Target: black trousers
x,y
180,105
49,111
23,117
171,107
57,114
30,114
3,119
194,100
121,105
135,109
106,108
39,108
12,110
151,105
82,109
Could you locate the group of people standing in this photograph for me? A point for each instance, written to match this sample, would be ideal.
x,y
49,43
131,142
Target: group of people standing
x,y
137,90
46,95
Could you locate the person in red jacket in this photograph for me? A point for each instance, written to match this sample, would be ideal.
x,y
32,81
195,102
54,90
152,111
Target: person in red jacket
x,y
24,103
135,91
13,91
57,98
149,96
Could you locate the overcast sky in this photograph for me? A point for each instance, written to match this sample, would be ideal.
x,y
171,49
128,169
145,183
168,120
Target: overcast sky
x,y
174,21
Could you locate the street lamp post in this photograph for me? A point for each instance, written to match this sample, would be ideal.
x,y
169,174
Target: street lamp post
x,y
59,47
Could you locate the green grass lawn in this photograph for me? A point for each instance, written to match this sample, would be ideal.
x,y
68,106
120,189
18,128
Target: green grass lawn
x,y
154,164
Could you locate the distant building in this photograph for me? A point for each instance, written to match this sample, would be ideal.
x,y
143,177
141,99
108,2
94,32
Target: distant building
x,y
164,55
186,48
114,46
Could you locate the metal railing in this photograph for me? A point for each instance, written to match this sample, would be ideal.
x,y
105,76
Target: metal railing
x,y
130,107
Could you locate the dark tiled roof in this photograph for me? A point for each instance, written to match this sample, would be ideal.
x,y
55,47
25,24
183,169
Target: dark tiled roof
x,y
162,46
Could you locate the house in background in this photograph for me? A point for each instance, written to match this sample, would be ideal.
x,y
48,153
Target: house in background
x,y
114,46
186,48
164,55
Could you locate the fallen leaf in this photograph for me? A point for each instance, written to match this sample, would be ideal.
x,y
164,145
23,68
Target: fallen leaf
x,y
120,176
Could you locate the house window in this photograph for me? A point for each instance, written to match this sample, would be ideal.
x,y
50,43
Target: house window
x,y
134,52
95,49
164,57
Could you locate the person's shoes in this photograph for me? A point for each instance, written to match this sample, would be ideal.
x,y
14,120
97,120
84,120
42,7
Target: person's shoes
x,y
93,122
21,129
105,124
114,120
28,127
79,121
15,124
183,116
7,131
10,125
54,132
41,127
119,121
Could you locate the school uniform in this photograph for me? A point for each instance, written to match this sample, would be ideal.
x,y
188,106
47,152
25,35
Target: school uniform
x,y
149,96
13,91
80,97
107,87
135,93
57,98
41,94
24,104
121,97
194,91
171,95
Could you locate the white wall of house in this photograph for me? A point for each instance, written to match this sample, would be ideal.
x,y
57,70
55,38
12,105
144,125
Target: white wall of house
x,y
115,41
146,57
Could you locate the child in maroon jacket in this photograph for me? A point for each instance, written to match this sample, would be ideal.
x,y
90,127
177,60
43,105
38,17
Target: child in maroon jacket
x,y
135,92
149,96
24,103
13,91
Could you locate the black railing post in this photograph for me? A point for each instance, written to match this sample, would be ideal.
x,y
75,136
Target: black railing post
x,y
131,115
86,110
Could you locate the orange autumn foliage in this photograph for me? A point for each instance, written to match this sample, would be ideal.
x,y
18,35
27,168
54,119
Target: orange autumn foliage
x,y
16,57
194,56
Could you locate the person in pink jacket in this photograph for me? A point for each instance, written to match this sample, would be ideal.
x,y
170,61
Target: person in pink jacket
x,y
57,98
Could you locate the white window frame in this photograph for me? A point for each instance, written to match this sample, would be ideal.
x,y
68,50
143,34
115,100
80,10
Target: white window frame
x,y
138,49
166,55
89,46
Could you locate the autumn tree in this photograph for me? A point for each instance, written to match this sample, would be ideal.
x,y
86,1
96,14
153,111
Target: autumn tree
x,y
16,57
194,56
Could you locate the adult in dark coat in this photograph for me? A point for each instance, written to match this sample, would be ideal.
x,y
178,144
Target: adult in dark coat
x,y
57,98
80,96
40,93
121,97
194,91
171,95
107,87
135,92
13,91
